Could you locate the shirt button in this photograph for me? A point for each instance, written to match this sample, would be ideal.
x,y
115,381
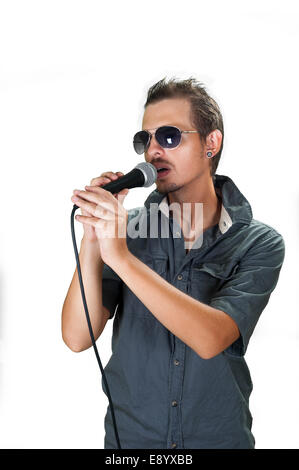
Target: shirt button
x,y
176,362
174,403
173,445
180,277
177,234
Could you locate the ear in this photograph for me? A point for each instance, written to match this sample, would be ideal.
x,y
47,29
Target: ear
x,y
213,141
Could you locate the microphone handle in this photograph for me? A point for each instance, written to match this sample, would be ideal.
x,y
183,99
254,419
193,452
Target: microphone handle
x,y
132,179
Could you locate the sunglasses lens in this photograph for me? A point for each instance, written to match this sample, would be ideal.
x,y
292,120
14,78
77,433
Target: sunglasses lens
x,y
140,142
168,137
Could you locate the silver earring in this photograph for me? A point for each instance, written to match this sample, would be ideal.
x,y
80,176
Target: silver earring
x,y
209,154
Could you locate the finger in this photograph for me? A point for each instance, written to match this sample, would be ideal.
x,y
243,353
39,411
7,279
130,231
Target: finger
x,y
93,221
92,194
99,224
98,190
124,191
101,180
89,207
121,195
105,177
100,194
105,209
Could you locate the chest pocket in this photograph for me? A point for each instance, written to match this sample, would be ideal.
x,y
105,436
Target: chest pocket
x,y
157,263
207,278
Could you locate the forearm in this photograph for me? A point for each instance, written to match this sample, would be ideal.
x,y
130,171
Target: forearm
x,y
75,331
196,324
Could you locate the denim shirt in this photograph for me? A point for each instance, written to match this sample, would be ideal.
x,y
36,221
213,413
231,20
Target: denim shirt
x,y
165,395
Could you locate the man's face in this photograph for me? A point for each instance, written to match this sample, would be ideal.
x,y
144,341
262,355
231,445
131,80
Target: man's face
x,y
187,162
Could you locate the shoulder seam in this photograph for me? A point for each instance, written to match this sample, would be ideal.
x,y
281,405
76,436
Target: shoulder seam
x,y
271,230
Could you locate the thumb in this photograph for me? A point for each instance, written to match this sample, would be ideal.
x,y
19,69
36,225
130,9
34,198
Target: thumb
x,y
122,194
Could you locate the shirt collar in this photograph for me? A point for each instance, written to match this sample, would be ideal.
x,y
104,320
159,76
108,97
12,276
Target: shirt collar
x,y
235,207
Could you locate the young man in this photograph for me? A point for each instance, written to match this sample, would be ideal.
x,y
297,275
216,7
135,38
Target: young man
x,y
183,312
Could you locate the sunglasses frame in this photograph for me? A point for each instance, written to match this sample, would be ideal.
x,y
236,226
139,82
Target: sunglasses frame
x,y
156,129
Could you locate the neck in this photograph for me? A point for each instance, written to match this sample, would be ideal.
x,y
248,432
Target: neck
x,y
200,191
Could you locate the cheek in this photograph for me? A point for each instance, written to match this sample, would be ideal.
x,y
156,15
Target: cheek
x,y
191,162
186,160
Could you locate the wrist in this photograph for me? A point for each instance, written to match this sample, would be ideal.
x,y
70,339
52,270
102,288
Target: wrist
x,y
91,248
120,261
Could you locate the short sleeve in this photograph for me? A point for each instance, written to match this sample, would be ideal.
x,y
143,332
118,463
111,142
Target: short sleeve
x,y
111,289
245,295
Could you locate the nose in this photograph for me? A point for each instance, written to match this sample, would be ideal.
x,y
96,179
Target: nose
x,y
154,148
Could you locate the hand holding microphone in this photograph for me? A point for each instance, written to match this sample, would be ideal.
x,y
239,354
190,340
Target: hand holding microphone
x,y
103,216
100,181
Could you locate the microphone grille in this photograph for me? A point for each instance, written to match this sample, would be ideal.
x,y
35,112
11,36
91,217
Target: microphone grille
x,y
149,172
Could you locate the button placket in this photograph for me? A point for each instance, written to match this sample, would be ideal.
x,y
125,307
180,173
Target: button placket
x,y
175,430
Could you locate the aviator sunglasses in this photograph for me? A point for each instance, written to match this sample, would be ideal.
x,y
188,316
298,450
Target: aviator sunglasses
x,y
168,137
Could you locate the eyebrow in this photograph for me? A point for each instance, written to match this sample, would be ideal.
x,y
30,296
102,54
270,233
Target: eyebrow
x,y
152,129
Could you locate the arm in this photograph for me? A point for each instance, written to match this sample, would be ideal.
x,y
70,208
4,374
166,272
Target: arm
x,y
207,330
75,331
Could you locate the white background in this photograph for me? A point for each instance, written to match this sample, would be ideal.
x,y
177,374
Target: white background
x,y
73,80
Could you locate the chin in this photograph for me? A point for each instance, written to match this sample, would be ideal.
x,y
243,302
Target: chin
x,y
168,188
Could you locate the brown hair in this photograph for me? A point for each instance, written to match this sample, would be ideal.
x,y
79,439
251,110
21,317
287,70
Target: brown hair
x,y
205,112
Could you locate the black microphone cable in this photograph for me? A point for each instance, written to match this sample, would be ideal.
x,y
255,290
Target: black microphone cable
x,y
144,174
89,324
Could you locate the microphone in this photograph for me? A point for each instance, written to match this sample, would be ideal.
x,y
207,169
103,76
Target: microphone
x,y
144,174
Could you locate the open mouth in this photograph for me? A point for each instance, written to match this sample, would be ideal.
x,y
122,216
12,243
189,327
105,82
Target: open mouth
x,y
161,172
